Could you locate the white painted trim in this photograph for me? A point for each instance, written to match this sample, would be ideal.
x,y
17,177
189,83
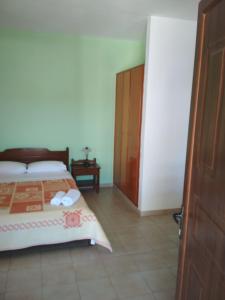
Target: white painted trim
x,y
160,212
106,185
144,103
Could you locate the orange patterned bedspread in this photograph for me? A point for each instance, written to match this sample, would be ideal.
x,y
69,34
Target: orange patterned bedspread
x,y
31,196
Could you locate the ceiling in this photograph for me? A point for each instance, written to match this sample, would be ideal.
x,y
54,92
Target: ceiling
x,y
109,18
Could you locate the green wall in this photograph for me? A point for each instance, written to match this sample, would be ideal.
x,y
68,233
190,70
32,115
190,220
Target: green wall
x,y
58,91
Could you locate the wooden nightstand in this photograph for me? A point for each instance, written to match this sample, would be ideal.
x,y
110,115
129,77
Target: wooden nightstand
x,y
81,168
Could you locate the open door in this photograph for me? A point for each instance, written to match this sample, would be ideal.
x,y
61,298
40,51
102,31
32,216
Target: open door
x,y
201,272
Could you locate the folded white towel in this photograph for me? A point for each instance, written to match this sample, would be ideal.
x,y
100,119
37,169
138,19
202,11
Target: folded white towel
x,y
57,199
71,197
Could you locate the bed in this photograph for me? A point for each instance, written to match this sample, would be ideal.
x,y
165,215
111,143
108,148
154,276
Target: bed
x,y
26,216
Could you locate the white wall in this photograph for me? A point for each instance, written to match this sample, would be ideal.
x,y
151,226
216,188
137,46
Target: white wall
x,y
167,94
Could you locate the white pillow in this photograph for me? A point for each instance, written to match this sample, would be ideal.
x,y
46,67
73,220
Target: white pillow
x,y
12,167
46,166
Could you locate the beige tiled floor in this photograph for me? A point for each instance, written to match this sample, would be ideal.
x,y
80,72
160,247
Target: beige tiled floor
x,y
142,266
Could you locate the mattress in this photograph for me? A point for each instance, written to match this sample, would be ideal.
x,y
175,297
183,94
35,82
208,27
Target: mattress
x,y
28,219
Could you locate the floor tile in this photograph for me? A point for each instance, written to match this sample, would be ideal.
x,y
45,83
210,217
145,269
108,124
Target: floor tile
x,y
23,280
24,295
61,292
92,270
169,256
173,270
55,256
168,295
3,280
135,245
145,297
174,238
4,261
117,247
130,285
123,264
159,280
159,242
163,219
169,228
99,289
58,275
148,261
25,260
81,255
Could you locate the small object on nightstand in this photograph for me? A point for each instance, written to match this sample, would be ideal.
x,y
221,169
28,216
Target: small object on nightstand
x,y
86,151
86,167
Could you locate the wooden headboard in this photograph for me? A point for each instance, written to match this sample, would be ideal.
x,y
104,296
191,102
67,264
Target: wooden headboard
x,y
28,155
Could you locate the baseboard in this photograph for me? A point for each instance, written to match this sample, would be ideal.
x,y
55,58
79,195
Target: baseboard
x,y
146,213
128,201
106,185
159,212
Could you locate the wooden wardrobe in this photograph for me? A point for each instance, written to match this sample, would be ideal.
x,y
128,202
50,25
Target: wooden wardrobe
x,y
129,93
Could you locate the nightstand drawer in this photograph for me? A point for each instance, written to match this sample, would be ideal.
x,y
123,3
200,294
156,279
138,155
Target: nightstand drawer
x,y
84,171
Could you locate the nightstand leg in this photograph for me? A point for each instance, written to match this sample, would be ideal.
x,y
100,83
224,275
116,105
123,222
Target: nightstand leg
x,y
97,183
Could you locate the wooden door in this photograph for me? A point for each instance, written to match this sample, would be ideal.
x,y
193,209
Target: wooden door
x,y
118,130
129,90
134,131
201,274
121,130
125,123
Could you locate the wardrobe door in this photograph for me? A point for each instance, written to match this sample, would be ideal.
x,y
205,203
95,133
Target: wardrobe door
x,y
125,125
134,132
118,130
129,89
